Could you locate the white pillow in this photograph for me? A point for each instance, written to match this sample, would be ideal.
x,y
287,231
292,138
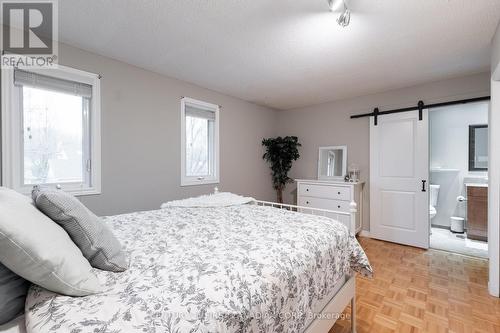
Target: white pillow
x,y
37,249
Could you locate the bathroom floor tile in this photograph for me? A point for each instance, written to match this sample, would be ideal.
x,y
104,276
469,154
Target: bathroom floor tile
x,y
444,239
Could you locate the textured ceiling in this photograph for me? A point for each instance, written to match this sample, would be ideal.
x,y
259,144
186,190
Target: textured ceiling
x,y
287,54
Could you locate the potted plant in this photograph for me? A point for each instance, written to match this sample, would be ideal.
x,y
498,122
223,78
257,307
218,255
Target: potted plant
x,y
280,154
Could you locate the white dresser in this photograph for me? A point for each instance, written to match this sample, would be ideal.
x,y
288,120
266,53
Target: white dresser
x,y
332,195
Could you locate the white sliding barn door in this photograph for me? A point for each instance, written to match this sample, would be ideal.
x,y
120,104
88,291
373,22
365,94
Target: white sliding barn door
x,y
399,170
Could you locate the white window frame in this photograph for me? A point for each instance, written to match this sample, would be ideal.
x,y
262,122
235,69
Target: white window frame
x,y
193,180
11,130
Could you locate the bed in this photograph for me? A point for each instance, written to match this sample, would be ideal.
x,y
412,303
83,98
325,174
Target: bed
x,y
242,267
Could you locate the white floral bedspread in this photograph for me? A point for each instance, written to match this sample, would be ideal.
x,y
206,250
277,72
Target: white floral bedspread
x,y
224,269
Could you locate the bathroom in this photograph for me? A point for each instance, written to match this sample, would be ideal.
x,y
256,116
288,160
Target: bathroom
x,y
459,178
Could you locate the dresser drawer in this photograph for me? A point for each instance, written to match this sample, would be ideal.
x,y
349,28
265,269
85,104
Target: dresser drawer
x,y
325,191
328,204
336,205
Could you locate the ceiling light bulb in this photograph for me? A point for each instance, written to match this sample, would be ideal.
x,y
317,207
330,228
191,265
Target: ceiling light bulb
x,y
344,18
335,5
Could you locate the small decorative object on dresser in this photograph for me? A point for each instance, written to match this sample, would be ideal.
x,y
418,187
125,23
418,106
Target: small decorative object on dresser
x,y
353,173
332,195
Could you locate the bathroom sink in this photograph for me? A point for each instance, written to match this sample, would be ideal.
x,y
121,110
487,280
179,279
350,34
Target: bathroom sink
x,y
476,181
476,184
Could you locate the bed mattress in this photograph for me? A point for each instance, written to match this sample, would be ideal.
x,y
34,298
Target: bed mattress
x,y
242,268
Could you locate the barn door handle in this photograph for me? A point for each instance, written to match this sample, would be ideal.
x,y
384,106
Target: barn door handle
x,y
423,185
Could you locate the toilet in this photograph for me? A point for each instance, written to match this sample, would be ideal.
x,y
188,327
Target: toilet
x,y
433,202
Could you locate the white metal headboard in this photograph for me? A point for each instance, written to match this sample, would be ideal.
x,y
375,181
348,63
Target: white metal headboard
x,y
348,222
350,216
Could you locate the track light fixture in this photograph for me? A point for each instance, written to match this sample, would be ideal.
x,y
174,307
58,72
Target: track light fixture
x,y
335,5
345,16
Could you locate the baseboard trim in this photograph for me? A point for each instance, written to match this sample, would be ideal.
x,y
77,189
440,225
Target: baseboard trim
x,y
364,233
440,226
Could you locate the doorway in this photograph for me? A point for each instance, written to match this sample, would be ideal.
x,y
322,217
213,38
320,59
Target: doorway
x,y
389,222
458,174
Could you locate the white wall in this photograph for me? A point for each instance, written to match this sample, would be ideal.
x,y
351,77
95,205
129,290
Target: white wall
x,y
449,149
495,55
494,170
329,124
141,137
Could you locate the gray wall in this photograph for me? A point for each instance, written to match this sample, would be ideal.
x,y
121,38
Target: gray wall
x,y
141,137
141,133
329,124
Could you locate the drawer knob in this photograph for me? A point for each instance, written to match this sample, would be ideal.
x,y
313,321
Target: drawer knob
x,y
338,192
307,202
338,206
307,190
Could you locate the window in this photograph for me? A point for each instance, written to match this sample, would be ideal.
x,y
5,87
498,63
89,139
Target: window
x,y
200,142
51,130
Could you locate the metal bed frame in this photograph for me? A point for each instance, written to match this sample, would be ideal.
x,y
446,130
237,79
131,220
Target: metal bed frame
x,y
326,318
317,211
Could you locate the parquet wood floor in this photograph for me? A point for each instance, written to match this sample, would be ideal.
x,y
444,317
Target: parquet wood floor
x,y
416,291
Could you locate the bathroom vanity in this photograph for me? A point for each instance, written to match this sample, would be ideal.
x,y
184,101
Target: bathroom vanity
x,y
477,211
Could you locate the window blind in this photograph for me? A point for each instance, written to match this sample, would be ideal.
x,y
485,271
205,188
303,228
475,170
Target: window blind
x,y
196,112
26,78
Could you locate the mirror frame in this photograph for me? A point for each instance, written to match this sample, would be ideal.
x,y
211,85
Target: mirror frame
x,y
344,162
472,147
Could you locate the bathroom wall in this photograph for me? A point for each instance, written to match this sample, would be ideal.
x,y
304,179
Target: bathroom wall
x,y
449,153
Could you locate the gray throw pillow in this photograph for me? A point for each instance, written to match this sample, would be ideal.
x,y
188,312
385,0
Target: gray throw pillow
x,y
39,250
88,232
13,290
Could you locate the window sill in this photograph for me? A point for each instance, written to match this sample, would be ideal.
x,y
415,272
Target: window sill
x,y
75,192
81,193
199,182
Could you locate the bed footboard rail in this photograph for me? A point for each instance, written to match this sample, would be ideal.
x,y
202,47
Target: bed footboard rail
x,y
347,218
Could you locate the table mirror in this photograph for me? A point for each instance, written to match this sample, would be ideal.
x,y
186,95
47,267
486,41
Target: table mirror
x,y
332,162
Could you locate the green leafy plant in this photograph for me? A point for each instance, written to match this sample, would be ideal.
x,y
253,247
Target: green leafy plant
x,y
280,154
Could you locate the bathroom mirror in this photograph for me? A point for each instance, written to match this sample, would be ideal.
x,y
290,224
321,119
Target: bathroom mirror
x,y
478,148
332,162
